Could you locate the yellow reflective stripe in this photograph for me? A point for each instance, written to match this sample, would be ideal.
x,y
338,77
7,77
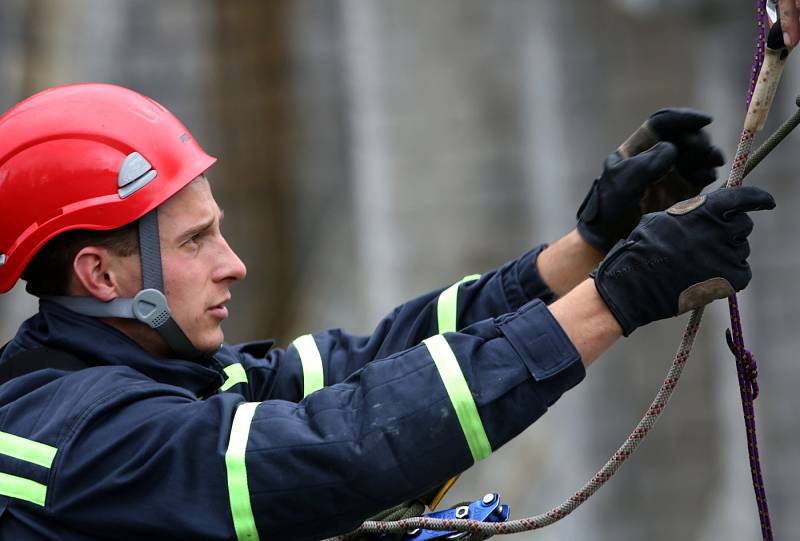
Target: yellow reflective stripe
x,y
23,489
460,396
447,319
311,360
27,450
447,305
235,373
238,492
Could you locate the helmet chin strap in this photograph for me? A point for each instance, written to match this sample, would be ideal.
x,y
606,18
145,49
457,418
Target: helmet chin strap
x,y
150,304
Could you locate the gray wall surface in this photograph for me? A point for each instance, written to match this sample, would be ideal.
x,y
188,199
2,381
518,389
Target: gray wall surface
x,y
373,150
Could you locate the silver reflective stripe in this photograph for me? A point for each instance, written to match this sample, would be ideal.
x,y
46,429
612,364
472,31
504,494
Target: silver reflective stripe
x,y
447,305
238,492
236,374
28,451
311,360
460,396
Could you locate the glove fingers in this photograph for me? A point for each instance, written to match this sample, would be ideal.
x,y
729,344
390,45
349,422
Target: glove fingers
x,y
696,150
697,141
650,166
714,157
732,201
743,251
740,279
740,228
667,123
700,178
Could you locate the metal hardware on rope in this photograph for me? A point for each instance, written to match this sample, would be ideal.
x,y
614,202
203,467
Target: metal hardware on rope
x,y
485,509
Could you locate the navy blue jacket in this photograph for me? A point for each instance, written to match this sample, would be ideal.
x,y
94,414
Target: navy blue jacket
x,y
136,447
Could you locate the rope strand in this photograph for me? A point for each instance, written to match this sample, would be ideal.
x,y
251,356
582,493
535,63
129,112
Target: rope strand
x,y
746,368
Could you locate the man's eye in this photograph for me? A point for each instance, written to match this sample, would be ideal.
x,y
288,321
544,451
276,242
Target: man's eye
x,y
194,239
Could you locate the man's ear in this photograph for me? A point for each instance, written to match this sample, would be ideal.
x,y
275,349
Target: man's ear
x,y
94,274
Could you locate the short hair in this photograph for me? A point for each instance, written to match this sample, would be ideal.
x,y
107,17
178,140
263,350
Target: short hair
x,y
50,270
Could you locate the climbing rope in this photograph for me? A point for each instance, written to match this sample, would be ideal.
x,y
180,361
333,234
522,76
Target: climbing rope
x,y
758,57
768,67
767,70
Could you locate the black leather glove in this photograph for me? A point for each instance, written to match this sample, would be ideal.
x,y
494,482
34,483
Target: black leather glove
x,y
636,181
681,259
698,158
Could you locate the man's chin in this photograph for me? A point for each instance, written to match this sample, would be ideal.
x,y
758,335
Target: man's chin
x,y
209,343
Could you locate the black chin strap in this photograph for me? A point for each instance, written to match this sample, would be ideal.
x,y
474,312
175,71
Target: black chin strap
x,y
153,310
150,252
150,304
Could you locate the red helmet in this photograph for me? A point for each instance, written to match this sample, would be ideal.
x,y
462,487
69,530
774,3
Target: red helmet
x,y
85,156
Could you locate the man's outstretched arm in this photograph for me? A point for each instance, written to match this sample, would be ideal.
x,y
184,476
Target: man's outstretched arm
x,y
587,321
567,262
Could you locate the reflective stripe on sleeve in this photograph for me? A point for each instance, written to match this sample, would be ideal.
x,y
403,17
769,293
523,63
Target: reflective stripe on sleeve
x,y
311,360
27,450
447,305
460,396
23,489
236,374
243,521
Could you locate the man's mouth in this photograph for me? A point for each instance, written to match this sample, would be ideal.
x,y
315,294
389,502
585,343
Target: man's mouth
x,y
220,311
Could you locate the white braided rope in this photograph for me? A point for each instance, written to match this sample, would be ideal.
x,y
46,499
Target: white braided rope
x,y
740,160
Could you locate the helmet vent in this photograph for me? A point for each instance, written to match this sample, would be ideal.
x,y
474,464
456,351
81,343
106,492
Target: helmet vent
x,y
135,173
2,259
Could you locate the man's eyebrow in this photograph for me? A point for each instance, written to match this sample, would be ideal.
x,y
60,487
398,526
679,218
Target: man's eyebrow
x,y
202,226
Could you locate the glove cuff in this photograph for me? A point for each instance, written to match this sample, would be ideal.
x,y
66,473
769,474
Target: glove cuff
x,y
587,220
607,287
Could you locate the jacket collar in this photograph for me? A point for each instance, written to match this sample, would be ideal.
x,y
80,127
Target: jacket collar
x,y
86,337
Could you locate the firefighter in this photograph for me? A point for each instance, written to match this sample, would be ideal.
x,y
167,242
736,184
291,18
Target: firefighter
x,y
124,415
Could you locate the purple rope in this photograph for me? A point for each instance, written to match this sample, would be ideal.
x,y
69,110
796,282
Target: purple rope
x,y
758,57
747,370
746,367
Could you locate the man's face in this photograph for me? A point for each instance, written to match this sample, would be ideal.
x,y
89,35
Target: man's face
x,y
198,265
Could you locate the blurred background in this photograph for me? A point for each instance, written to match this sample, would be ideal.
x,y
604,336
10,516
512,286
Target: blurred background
x,y
373,150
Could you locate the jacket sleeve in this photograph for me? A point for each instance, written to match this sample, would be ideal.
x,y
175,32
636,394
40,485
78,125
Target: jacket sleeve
x,y
148,460
316,360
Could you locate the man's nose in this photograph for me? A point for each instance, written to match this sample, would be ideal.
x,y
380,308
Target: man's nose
x,y
231,267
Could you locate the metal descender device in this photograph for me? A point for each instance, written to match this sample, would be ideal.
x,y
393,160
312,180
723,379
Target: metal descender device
x,y
486,509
